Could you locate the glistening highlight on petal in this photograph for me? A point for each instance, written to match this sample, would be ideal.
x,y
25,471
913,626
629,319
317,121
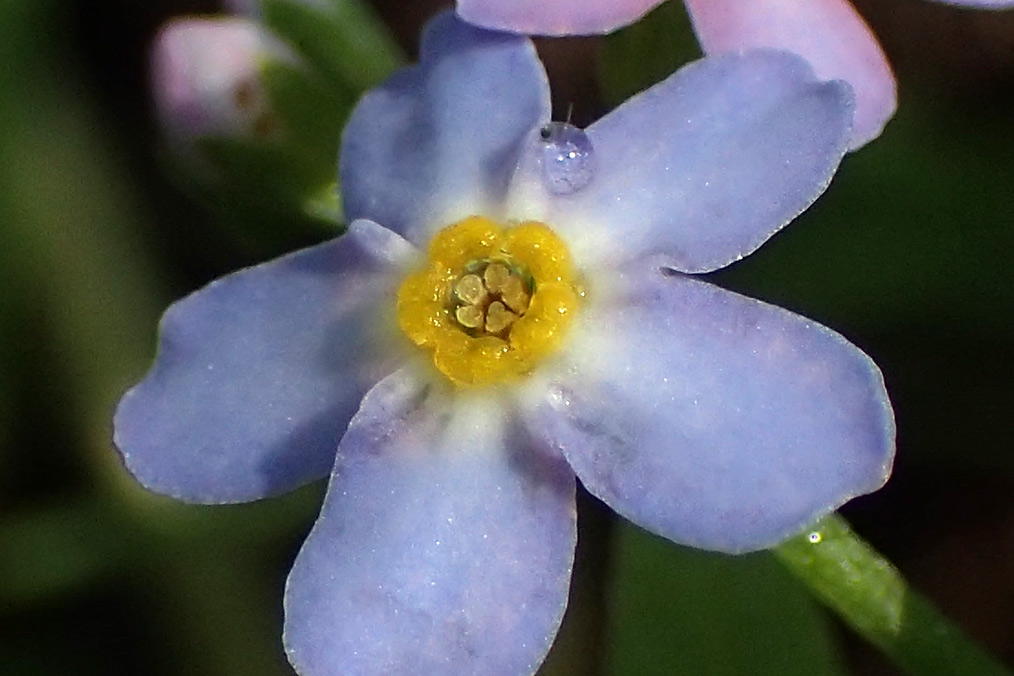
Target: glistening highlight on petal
x,y
704,166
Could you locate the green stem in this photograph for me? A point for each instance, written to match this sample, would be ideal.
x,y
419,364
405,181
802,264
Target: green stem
x,y
873,598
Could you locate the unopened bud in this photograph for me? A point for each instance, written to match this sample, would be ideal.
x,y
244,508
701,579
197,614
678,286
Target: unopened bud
x,y
206,76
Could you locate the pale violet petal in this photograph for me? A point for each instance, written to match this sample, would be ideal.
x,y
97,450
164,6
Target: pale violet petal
x,y
444,546
439,141
714,420
557,17
258,373
829,34
704,167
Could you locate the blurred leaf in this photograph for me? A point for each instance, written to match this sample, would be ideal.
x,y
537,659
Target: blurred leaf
x,y
346,42
231,619
52,551
180,527
71,234
271,187
646,52
676,610
70,229
7,387
313,114
872,596
10,297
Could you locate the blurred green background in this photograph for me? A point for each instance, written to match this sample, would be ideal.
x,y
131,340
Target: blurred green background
x,y
908,254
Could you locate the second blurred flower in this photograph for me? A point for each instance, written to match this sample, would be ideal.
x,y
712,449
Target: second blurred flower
x,y
207,78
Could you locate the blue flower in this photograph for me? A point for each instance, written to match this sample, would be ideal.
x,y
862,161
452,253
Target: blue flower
x,y
514,305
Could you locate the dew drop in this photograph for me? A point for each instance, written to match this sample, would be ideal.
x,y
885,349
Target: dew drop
x,y
567,157
815,537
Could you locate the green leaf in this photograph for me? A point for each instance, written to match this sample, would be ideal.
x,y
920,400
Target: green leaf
x,y
646,52
347,42
872,596
52,551
675,610
70,228
266,181
314,112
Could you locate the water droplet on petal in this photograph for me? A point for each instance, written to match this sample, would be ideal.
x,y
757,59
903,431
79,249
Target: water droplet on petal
x,y
567,157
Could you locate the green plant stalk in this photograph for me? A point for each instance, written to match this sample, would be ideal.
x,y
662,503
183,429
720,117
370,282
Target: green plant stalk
x,y
869,594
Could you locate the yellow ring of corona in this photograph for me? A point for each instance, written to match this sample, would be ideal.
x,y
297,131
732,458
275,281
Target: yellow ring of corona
x,y
425,300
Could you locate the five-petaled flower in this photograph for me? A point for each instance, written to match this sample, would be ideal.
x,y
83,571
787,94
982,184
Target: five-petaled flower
x,y
515,305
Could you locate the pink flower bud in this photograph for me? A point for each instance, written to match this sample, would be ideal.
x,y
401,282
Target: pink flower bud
x,y
206,78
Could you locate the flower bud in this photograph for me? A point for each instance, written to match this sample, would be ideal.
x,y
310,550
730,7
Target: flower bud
x,y
206,78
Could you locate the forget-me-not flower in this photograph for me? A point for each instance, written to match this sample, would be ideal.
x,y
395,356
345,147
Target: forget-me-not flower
x,y
515,307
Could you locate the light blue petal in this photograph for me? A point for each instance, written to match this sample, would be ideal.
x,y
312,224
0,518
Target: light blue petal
x,y
444,546
704,166
440,141
715,420
258,373
830,34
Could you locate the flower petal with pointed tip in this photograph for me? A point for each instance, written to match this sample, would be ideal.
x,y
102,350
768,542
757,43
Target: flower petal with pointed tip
x,y
444,546
829,34
705,166
554,17
258,373
439,141
712,419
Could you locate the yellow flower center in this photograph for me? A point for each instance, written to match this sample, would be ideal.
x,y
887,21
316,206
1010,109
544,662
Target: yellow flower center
x,y
490,301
